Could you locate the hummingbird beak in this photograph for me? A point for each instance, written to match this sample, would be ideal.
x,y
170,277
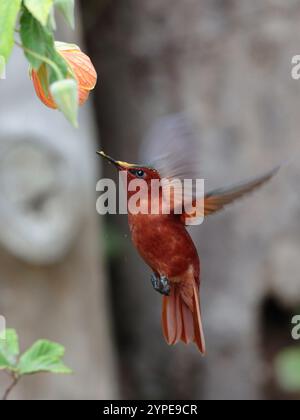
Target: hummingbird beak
x,y
110,159
118,163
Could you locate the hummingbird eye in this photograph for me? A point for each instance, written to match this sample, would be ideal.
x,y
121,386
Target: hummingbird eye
x,y
139,173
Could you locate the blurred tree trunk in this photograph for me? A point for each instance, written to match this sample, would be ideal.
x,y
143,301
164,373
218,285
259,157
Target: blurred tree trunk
x,y
52,277
228,64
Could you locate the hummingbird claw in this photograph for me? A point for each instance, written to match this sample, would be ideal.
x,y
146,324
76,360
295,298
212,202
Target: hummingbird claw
x,y
161,284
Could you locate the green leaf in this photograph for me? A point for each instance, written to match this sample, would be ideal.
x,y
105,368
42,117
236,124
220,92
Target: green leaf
x,y
287,367
52,20
43,356
4,363
39,45
11,342
9,10
66,7
9,349
40,9
65,95
58,60
34,38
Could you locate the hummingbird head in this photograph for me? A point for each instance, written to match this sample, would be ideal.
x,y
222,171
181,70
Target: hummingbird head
x,y
134,171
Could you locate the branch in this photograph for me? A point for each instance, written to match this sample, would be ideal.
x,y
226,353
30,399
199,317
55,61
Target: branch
x,y
11,387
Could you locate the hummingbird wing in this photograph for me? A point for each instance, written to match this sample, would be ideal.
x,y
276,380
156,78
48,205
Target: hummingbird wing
x,y
173,149
216,200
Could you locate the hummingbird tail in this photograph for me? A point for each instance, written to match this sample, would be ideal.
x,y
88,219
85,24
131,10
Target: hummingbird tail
x,y
181,316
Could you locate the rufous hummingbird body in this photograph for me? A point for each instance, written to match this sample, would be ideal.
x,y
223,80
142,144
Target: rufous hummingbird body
x,y
162,239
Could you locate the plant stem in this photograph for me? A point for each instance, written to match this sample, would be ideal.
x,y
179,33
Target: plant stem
x,y
42,58
11,386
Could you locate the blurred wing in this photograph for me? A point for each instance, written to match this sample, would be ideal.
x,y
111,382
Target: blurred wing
x,y
216,200
173,148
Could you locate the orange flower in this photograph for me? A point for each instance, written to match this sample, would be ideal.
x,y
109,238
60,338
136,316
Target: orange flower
x,y
80,66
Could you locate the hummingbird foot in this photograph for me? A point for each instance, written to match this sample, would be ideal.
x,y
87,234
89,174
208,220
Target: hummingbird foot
x,y
161,284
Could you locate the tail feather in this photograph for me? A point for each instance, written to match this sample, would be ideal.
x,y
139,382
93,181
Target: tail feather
x,y
179,323
170,323
181,320
188,323
199,334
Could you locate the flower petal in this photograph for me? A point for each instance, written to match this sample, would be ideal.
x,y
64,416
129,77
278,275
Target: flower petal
x,y
82,66
83,95
39,78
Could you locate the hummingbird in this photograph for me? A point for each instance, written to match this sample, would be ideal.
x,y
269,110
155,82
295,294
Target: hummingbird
x,y
163,241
